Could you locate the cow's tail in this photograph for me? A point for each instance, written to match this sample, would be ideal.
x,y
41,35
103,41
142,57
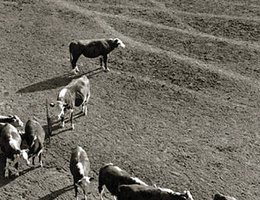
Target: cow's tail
x,y
49,125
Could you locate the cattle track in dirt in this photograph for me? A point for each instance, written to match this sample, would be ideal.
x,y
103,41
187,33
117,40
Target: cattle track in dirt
x,y
136,44
189,31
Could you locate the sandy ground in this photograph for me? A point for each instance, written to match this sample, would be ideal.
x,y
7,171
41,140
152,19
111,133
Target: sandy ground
x,y
179,108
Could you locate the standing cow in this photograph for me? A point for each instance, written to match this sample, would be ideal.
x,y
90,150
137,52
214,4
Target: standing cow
x,y
93,49
79,168
34,137
10,144
75,94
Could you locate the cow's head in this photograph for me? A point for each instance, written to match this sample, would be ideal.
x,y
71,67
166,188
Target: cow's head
x,y
59,107
118,43
22,155
84,183
16,121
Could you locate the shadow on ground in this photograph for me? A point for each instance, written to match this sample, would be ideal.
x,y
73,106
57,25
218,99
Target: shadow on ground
x,y
4,181
56,82
56,193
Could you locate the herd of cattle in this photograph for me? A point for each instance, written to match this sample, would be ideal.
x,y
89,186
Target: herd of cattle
x,y
76,94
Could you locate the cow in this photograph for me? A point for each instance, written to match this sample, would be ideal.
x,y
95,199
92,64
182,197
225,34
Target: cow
x,y
92,49
75,94
79,168
140,192
10,144
112,176
222,197
11,119
34,136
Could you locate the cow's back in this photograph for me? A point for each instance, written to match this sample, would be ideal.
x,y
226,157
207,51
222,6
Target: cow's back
x,y
81,87
78,155
10,140
34,129
139,192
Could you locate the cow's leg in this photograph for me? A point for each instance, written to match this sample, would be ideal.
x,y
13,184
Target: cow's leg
x,y
106,69
76,190
62,121
62,113
85,196
101,61
84,105
74,58
33,160
71,120
101,193
7,171
40,157
16,168
84,108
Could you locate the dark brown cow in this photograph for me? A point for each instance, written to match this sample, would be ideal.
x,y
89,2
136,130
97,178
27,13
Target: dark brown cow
x,y
112,176
34,137
93,49
140,192
222,197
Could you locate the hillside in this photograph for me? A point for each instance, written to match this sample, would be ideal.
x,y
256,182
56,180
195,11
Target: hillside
x,y
178,109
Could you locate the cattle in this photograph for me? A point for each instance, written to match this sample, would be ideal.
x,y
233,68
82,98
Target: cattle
x,y
11,119
34,136
140,192
79,168
75,94
10,144
112,176
92,49
222,197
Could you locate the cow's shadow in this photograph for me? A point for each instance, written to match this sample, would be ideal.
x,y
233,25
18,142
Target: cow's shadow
x,y
56,193
56,125
56,82
4,181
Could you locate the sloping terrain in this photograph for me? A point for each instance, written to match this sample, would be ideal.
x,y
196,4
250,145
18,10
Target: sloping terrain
x,y
179,108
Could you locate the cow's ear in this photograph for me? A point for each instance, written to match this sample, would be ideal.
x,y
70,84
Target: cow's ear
x,y
52,104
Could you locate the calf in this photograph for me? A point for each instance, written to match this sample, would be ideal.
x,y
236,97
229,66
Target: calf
x,y
75,94
10,144
34,137
11,119
140,192
79,168
93,49
222,197
112,176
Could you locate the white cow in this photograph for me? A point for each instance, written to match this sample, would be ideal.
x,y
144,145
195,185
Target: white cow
x,y
79,168
75,94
